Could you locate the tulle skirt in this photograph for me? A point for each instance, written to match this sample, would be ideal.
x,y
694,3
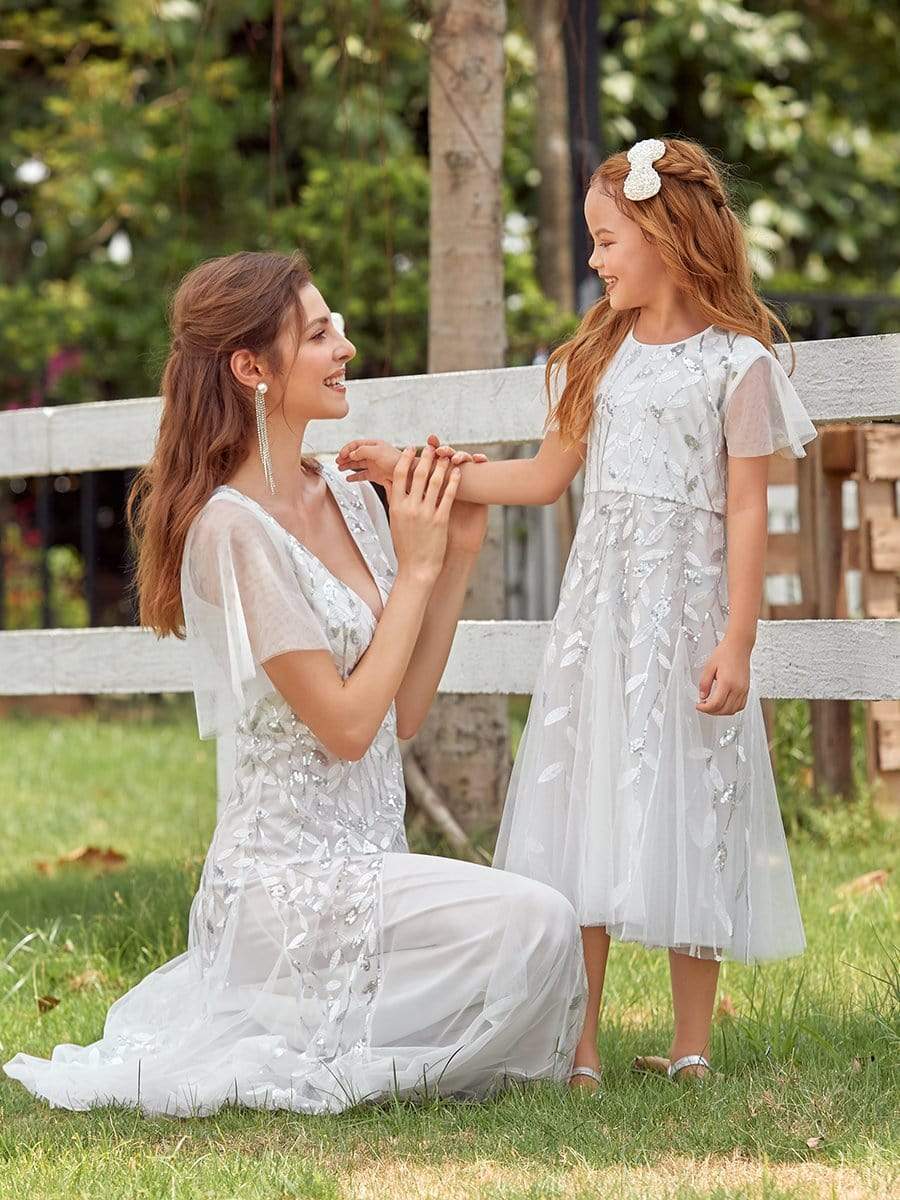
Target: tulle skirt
x,y
480,982
658,822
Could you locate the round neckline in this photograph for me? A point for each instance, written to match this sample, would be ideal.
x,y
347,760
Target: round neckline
x,y
668,345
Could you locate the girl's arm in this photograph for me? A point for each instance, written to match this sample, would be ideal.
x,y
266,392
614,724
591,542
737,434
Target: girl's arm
x,y
538,480
725,681
746,529
426,666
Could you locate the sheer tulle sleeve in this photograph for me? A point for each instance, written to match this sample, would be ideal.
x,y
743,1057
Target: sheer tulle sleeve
x,y
763,413
242,606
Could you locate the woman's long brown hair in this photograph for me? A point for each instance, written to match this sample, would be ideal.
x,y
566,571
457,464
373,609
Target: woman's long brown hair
x,y
208,419
702,244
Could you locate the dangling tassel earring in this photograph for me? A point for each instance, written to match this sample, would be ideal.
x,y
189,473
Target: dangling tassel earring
x,y
263,434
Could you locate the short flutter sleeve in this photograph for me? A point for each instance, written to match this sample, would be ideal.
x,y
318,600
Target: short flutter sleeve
x,y
243,605
762,412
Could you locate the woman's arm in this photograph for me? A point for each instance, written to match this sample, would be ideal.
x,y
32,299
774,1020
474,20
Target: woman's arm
x,y
725,681
467,527
346,714
538,480
426,666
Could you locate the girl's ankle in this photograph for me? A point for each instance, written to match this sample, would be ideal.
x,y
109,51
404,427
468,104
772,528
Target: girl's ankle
x,y
684,1049
587,1055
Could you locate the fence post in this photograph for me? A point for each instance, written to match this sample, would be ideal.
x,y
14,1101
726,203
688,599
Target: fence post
x,y
821,547
878,462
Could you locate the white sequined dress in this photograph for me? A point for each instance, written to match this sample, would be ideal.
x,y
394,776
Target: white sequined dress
x,y
658,822
326,965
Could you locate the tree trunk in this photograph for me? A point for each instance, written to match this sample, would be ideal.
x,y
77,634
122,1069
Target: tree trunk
x,y
544,19
466,327
464,745
581,36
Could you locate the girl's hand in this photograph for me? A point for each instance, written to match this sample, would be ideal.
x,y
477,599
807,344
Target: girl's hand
x,y
420,509
457,457
725,681
373,460
369,459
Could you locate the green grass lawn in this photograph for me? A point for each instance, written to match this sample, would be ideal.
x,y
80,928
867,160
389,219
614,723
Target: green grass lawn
x,y
806,1102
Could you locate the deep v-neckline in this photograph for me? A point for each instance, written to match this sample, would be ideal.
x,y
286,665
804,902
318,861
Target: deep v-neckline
x,y
227,487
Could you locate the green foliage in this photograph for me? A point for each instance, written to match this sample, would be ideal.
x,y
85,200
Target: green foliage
x,y
137,139
364,227
787,97
24,591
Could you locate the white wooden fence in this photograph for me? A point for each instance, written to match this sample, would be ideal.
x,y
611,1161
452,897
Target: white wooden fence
x,y
855,379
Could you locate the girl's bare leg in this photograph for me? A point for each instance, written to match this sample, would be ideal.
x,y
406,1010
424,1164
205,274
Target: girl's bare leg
x,y
694,982
595,941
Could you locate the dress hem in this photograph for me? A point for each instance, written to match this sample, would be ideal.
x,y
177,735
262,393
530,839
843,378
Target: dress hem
x,y
725,956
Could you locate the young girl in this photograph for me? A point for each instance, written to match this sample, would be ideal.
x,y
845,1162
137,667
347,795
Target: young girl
x,y
643,789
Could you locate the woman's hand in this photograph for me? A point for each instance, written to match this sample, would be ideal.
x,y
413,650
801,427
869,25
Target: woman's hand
x,y
420,509
468,522
725,681
468,525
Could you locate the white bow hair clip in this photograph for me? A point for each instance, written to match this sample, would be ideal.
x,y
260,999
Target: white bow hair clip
x,y
642,181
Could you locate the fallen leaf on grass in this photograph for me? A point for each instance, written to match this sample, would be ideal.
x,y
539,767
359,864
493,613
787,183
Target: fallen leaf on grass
x,y
86,979
45,1003
84,856
864,883
870,882
726,1009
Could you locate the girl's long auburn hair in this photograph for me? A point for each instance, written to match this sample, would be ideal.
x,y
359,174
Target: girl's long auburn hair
x,y
702,244
208,420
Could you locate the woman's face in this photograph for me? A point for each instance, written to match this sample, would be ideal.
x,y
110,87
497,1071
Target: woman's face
x,y
630,266
313,374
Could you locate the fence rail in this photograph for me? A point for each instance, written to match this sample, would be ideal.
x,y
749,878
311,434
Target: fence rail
x,y
814,660
853,379
843,379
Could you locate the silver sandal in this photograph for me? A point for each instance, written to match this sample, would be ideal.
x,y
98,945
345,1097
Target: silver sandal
x,y
689,1060
588,1073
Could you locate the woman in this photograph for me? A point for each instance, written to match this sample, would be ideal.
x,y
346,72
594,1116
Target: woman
x,y
326,964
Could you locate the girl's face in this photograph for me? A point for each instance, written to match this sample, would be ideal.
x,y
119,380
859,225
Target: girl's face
x,y
630,266
314,386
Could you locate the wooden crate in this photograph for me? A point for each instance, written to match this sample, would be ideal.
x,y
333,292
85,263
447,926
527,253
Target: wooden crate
x,y
821,553
878,472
